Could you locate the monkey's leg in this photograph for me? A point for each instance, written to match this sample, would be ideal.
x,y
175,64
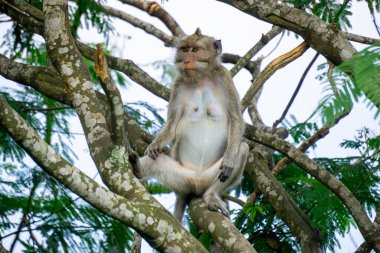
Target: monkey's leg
x,y
172,174
212,194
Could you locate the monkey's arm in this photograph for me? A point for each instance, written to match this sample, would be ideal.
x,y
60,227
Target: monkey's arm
x,y
235,128
167,133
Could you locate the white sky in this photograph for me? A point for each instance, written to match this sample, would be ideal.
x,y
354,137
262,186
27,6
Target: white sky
x,y
238,32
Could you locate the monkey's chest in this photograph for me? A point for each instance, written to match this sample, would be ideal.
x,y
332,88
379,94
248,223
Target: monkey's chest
x,y
204,105
203,131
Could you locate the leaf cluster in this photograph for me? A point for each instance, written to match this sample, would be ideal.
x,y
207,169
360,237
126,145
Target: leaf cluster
x,y
50,213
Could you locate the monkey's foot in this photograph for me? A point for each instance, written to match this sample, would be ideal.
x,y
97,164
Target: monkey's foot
x,y
214,203
134,159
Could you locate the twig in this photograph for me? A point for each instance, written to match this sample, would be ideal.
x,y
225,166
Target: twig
x,y
136,244
257,47
148,28
277,44
233,199
155,10
251,66
48,108
19,228
34,238
361,39
321,133
295,93
25,214
375,24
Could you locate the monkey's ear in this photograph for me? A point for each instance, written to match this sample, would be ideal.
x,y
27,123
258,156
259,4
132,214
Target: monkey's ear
x,y
198,32
218,46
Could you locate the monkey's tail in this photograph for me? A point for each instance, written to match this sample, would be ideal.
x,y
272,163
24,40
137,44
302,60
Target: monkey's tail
x,y
180,205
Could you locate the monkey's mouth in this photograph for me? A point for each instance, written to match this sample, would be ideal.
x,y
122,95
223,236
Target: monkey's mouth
x,y
190,72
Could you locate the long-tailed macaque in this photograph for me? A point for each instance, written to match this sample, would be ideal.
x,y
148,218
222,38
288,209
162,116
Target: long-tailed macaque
x,y
204,127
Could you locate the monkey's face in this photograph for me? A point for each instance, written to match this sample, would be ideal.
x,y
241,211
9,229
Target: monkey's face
x,y
192,60
197,55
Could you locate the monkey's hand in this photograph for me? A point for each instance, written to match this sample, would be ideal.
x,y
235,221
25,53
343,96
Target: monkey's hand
x,y
154,150
225,173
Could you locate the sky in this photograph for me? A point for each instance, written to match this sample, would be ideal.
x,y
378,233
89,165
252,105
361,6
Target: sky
x,y
238,32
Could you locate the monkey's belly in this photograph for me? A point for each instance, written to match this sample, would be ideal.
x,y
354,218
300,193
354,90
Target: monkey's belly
x,y
202,143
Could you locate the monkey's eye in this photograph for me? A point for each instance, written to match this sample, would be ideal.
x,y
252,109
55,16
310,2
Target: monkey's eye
x,y
194,49
184,49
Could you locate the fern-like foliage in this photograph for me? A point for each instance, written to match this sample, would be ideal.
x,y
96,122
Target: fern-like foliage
x,y
356,78
59,221
364,69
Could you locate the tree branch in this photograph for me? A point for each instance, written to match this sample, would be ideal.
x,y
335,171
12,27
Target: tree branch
x,y
47,82
269,70
365,247
136,214
114,99
233,199
361,39
368,230
126,66
136,244
257,47
219,227
251,66
129,68
321,133
148,28
155,10
68,62
314,31
280,200
295,92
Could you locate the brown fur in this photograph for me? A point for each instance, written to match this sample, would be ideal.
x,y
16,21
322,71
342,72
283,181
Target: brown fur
x,y
204,125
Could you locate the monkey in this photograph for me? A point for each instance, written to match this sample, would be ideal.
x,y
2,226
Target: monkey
x,y
204,128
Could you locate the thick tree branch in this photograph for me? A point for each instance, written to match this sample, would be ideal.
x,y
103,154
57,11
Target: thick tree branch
x,y
47,82
365,247
126,66
368,230
129,68
68,62
279,199
152,223
315,32
111,160
219,227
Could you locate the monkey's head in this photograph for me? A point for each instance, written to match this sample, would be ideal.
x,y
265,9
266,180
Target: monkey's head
x,y
197,54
